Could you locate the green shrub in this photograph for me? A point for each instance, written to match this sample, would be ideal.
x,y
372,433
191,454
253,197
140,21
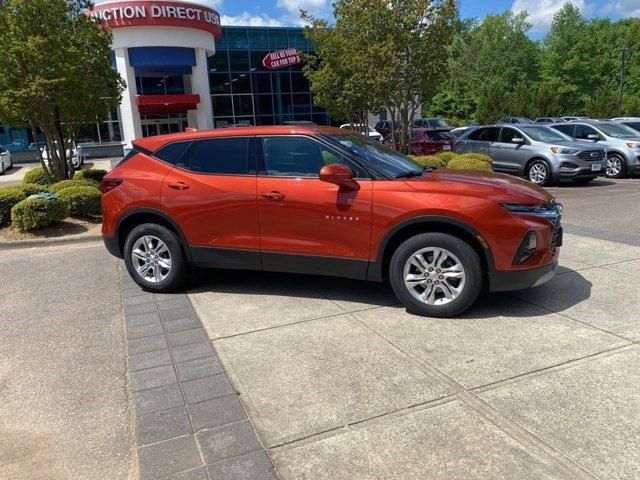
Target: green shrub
x,y
446,157
432,161
95,174
33,189
479,157
39,212
62,184
466,162
9,197
36,175
82,200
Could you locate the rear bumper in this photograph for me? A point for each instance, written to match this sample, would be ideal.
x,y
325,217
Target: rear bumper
x,y
113,245
505,281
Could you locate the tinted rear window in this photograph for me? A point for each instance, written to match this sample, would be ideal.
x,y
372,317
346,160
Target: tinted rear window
x,y
227,156
173,152
489,134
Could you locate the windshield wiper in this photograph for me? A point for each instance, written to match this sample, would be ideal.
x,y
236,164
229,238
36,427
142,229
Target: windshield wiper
x,y
410,173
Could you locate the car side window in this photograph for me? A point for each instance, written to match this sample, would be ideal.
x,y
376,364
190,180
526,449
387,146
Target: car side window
x,y
224,156
583,132
566,129
488,134
173,153
509,134
293,156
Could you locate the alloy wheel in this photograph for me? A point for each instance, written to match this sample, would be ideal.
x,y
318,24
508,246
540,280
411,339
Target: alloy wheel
x,y
151,259
434,276
538,173
614,166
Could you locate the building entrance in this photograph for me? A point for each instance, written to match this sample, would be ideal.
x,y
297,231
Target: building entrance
x,y
162,126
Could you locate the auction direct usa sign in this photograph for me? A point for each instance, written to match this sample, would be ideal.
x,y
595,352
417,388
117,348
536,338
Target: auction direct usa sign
x,y
282,58
157,14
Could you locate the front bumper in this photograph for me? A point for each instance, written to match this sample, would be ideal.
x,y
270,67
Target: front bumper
x,y
505,281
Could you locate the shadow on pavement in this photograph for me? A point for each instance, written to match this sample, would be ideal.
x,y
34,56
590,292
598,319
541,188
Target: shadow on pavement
x,y
594,184
568,289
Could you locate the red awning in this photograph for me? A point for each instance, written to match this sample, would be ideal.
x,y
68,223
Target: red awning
x,y
165,104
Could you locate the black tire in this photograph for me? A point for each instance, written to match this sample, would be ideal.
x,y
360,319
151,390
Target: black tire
x,y
583,181
615,157
539,164
467,256
179,271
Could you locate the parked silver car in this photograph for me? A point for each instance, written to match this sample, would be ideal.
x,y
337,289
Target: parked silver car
x,y
633,122
621,142
541,154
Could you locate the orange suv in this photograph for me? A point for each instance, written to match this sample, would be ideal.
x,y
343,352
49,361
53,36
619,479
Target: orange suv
x,y
324,201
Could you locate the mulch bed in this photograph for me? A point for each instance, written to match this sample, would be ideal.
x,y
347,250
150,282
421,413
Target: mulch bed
x,y
70,226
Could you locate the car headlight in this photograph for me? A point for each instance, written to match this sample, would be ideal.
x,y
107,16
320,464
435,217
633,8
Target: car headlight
x,y
551,211
633,145
564,151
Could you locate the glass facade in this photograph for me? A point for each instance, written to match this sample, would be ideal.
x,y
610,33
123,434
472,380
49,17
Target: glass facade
x,y
243,92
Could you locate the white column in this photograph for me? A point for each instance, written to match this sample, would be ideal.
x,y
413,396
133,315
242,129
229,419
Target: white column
x,y
200,85
129,115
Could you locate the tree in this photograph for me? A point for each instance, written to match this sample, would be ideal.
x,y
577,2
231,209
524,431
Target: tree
x,y
493,104
603,104
380,53
522,101
55,73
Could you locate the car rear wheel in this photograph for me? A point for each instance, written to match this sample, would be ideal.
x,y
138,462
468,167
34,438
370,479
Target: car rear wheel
x,y
539,173
154,258
436,275
616,166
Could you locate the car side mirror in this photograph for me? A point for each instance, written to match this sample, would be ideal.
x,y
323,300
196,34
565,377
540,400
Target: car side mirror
x,y
594,137
517,140
340,175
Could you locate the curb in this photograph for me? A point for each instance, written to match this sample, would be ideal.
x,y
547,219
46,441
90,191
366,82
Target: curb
x,y
45,242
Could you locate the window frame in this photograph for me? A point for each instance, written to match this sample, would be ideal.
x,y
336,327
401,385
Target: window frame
x,y
261,167
594,131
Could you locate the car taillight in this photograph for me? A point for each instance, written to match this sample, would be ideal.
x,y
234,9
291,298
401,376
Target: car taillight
x,y
109,184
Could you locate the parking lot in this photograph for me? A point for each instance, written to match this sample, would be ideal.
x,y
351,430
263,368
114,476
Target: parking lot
x,y
337,379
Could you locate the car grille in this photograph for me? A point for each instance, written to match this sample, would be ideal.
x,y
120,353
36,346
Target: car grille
x,y
592,155
556,238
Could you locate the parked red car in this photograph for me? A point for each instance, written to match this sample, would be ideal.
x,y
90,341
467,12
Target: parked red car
x,y
324,201
427,141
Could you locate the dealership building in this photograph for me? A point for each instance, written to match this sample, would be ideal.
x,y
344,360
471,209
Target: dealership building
x,y
183,69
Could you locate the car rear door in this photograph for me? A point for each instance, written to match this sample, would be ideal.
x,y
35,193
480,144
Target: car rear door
x,y
211,194
307,225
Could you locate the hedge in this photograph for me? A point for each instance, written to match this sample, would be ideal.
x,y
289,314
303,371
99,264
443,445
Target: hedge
x,y
9,197
36,175
38,212
95,174
469,163
82,200
32,188
62,184
456,161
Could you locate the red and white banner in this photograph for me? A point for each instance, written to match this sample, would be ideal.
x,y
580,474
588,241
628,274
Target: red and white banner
x,y
282,58
160,13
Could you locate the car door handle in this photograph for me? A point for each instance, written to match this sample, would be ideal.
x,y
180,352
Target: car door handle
x,y
272,195
179,186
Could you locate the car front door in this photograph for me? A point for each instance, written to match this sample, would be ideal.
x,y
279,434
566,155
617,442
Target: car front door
x,y
211,194
509,156
583,132
307,225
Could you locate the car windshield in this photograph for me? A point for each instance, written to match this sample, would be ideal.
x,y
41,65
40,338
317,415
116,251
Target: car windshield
x,y
391,162
439,135
437,122
617,131
545,134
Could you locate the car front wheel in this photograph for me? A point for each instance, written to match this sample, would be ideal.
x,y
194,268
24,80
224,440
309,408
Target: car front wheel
x,y
436,275
539,173
154,258
616,166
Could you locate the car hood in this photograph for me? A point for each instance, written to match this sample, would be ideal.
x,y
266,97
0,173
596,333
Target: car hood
x,y
492,186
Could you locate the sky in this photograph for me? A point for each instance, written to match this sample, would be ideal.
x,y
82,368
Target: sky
x,y
286,12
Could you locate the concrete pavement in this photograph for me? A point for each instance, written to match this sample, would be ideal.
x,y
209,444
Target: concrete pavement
x,y
341,382
64,404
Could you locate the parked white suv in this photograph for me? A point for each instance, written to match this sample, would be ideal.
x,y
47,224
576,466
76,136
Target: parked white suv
x,y
5,160
621,142
363,128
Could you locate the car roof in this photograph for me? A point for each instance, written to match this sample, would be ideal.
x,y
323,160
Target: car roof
x,y
153,143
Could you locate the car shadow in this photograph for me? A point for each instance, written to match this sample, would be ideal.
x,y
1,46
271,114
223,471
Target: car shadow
x,y
595,184
542,300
